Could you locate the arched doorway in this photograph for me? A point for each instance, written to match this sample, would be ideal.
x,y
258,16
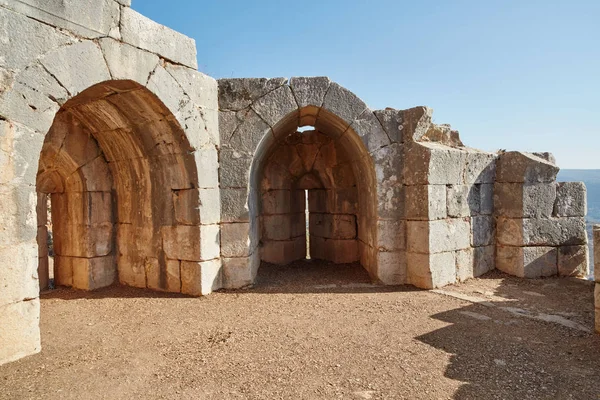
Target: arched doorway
x,y
124,192
266,164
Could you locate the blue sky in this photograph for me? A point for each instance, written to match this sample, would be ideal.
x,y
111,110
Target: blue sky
x,y
516,75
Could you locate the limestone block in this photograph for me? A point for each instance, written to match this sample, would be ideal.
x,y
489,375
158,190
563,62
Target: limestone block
x,y
282,252
93,273
480,167
571,200
63,271
132,269
429,271
234,169
391,121
338,251
517,200
77,67
170,92
391,267
310,92
573,261
199,279
438,236
277,106
486,198
342,201
541,232
234,205
28,107
463,200
210,242
237,272
94,176
484,260
207,162
340,108
370,131
202,89
465,264
517,167
44,272
391,235
19,277
36,77
86,18
20,330
187,205
210,206
239,93
416,122
527,262
283,226
212,276
235,241
183,242
248,131
20,154
483,230
24,39
283,201
434,164
146,34
79,240
18,211
128,62
333,226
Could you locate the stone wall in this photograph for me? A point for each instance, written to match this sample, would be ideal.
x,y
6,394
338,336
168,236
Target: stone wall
x,y
103,110
161,177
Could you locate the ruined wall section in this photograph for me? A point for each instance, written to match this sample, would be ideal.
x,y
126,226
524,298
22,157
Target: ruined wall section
x,y
51,52
541,227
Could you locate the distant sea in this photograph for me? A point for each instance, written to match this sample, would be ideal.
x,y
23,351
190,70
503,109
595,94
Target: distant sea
x,y
591,178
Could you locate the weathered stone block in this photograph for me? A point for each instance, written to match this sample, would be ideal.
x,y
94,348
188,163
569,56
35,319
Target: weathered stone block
x,y
93,273
333,226
187,204
340,108
429,271
200,278
146,34
234,206
128,62
571,200
283,226
484,260
342,201
434,164
202,89
235,241
527,262
483,230
19,277
238,272
438,236
234,169
20,330
239,93
530,200
132,269
338,251
87,18
573,261
416,123
310,92
391,121
370,131
426,202
463,200
283,201
391,267
465,260
480,167
277,106
77,67
282,252
183,242
541,232
210,242
391,235
518,167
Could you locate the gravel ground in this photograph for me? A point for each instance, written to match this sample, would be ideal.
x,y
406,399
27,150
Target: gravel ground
x,y
316,331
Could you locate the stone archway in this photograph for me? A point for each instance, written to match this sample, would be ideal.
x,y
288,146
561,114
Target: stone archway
x,y
124,189
257,117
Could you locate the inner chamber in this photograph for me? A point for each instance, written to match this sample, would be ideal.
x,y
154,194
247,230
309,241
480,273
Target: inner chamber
x,y
320,166
123,186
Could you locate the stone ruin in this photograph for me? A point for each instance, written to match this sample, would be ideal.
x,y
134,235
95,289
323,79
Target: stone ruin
x,y
161,177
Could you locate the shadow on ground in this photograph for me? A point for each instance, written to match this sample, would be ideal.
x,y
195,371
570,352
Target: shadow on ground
x,y
527,340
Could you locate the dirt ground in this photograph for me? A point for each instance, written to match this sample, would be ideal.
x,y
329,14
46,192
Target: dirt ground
x,y
317,331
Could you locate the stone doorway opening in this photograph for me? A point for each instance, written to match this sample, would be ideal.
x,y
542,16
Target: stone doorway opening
x,y
123,187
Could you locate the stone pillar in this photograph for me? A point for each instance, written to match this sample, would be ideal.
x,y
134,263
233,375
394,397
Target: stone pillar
x,y
540,224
